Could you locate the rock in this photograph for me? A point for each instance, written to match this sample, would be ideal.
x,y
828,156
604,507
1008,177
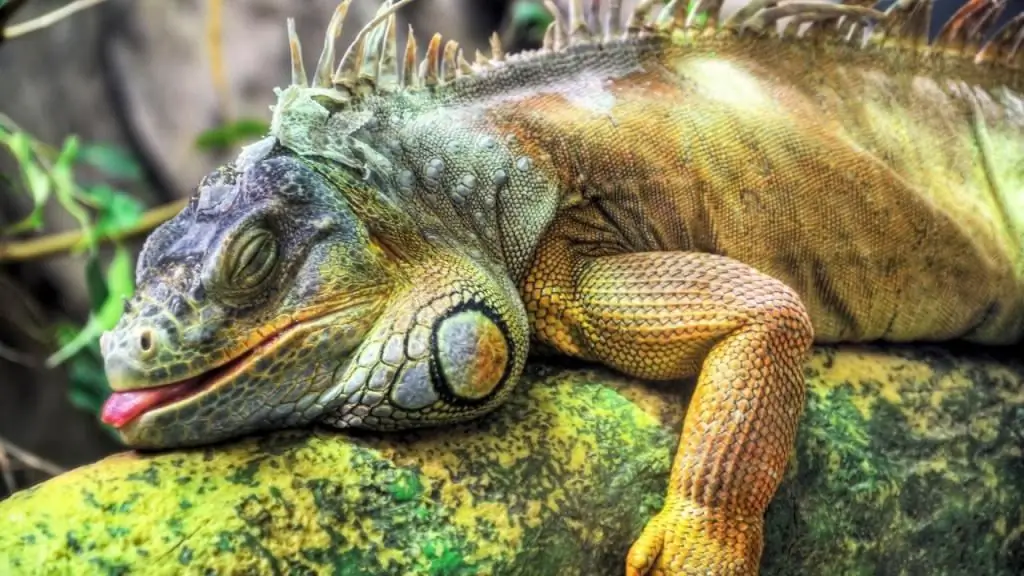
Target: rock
x,y
908,461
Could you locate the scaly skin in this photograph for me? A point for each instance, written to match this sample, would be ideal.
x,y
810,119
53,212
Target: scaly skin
x,y
684,201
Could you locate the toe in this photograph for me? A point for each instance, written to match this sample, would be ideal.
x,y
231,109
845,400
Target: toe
x,y
645,551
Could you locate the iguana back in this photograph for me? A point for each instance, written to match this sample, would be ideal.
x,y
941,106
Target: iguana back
x,y
887,189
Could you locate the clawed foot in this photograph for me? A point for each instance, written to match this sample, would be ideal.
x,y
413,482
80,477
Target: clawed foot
x,y
687,539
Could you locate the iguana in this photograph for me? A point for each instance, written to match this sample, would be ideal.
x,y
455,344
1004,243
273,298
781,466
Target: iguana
x,y
687,195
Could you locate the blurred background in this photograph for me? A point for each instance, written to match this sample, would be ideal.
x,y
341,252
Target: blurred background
x,y
108,118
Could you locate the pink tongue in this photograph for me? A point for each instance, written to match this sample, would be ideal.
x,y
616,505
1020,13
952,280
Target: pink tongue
x,y
123,407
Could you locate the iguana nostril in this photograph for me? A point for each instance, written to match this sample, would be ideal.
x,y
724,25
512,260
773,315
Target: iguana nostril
x,y
147,343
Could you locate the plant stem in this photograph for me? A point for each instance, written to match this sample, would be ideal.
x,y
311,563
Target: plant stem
x,y
53,244
29,459
5,471
48,19
215,52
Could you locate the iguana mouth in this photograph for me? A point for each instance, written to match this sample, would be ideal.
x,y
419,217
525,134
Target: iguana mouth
x,y
125,406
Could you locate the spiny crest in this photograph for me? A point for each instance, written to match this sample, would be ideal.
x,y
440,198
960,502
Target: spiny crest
x,y
371,64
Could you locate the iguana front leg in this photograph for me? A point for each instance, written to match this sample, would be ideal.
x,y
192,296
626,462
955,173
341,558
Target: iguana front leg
x,y
667,315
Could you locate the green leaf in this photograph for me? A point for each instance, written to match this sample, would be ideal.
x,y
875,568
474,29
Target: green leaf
x,y
35,178
88,385
530,20
120,279
230,134
111,160
64,187
95,282
117,210
120,285
531,14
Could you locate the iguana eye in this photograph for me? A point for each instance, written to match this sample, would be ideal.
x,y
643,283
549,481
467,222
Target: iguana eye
x,y
252,261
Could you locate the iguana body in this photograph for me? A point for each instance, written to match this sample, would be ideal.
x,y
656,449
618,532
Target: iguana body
x,y
682,201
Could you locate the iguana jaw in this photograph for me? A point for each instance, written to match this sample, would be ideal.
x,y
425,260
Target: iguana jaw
x,y
144,415
128,405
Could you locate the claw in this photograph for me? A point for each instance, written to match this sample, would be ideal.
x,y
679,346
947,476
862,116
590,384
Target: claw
x,y
644,552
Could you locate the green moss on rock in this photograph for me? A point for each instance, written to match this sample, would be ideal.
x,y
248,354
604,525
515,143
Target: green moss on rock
x,y
908,461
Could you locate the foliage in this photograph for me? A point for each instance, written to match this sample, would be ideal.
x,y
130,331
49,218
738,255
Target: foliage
x,y
100,210
530,20
89,388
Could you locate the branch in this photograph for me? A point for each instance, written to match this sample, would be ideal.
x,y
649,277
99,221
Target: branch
x,y
15,357
48,19
488,497
27,458
5,472
7,12
66,241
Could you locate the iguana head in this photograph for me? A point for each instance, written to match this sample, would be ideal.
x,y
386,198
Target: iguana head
x,y
247,302
293,289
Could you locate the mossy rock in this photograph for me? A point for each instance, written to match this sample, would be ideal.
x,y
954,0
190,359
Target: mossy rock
x,y
908,462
